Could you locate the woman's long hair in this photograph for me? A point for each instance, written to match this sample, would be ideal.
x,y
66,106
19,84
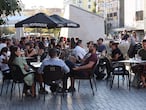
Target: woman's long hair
x,y
5,49
73,44
13,49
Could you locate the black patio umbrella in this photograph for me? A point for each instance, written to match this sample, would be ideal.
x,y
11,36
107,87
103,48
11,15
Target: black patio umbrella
x,y
62,22
39,20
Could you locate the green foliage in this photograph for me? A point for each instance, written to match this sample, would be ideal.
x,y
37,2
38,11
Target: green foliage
x,y
8,7
7,30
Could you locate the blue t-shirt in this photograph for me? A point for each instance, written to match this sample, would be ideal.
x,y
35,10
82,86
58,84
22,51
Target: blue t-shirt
x,y
101,48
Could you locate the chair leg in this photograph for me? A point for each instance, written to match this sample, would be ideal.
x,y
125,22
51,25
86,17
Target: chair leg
x,y
2,87
11,90
108,78
118,81
7,87
123,79
19,89
22,91
91,87
129,81
45,92
95,83
78,85
111,82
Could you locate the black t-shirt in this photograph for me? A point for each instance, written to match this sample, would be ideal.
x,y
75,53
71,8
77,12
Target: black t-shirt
x,y
126,36
142,54
117,51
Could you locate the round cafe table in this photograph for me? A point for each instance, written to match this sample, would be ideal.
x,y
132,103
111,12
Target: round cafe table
x,y
136,80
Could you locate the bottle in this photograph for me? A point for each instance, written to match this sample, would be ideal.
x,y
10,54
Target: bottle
x,y
38,58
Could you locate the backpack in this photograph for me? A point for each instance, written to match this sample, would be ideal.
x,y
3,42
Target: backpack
x,y
133,50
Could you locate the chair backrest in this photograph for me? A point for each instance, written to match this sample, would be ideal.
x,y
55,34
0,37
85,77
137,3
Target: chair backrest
x,y
118,68
92,72
95,66
52,73
16,72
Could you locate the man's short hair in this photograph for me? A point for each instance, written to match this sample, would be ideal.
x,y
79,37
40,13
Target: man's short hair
x,y
90,42
52,52
144,40
111,41
79,42
100,39
95,46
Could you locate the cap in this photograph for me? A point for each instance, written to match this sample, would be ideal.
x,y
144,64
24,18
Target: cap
x,y
115,43
100,39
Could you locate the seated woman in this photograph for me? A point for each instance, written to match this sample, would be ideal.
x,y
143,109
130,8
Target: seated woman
x,y
4,63
16,59
30,51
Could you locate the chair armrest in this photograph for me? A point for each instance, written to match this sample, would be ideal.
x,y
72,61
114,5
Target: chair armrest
x,y
28,74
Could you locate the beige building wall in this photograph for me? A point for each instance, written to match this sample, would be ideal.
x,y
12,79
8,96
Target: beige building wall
x,y
91,25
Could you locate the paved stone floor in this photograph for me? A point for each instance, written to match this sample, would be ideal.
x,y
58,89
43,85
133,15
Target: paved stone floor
x,y
104,99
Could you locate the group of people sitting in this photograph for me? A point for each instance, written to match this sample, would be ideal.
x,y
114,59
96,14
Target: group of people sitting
x,y
16,57
76,64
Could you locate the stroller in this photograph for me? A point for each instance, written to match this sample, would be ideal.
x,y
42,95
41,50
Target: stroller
x,y
102,70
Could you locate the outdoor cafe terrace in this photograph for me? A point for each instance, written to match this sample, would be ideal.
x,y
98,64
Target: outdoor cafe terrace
x,y
104,99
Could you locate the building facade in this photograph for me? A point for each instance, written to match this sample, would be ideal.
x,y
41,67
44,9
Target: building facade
x,y
89,5
113,13
134,16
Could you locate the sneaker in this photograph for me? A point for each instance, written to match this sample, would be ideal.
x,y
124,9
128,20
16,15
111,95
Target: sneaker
x,y
43,91
70,89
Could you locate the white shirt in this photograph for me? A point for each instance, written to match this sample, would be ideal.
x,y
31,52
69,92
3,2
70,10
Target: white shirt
x,y
2,45
79,52
3,66
54,61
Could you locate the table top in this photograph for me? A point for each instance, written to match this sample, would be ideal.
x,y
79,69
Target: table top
x,y
133,61
36,64
27,58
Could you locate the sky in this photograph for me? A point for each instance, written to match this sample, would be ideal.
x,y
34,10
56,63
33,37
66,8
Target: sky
x,y
45,3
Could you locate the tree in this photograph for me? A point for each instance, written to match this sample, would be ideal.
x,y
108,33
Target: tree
x,y
8,7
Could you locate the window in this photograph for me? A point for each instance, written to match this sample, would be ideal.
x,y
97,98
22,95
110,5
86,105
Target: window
x,y
115,14
139,15
110,14
89,6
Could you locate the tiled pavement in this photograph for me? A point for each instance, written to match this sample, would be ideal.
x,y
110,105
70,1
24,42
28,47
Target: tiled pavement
x,y
104,99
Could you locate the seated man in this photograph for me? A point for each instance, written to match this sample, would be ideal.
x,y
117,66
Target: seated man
x,y
116,55
81,71
79,52
141,68
53,60
101,46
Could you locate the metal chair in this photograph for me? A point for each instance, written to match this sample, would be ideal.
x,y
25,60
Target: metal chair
x,y
17,77
51,74
6,76
90,78
118,69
